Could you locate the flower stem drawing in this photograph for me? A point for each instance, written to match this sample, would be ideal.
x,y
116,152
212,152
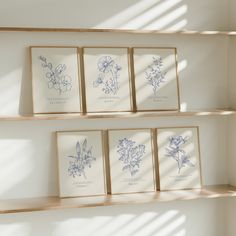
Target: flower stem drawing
x,y
130,154
154,74
82,160
109,73
57,78
175,151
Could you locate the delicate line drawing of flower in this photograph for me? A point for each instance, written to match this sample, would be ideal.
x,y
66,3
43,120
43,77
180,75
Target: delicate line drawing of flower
x,y
154,74
109,73
82,159
130,154
177,153
56,77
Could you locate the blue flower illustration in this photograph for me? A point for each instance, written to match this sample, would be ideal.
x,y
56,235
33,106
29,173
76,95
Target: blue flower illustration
x,y
109,73
105,64
176,152
154,74
56,77
82,159
130,154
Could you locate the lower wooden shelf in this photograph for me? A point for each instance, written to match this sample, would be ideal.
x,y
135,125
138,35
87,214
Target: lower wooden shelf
x,y
71,116
53,203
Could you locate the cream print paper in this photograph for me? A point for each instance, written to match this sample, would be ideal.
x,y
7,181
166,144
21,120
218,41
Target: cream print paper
x,y
81,163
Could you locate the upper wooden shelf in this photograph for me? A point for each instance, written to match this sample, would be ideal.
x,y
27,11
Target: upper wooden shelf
x,y
53,203
131,31
71,116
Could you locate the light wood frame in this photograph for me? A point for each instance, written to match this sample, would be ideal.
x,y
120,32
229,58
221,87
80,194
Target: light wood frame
x,y
131,74
134,79
153,159
154,150
104,158
199,157
84,83
79,78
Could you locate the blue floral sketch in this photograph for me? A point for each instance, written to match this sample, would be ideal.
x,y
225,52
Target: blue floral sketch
x,y
82,160
154,74
175,151
109,73
57,78
130,154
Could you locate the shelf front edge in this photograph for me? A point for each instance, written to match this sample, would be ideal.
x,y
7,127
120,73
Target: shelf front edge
x,y
156,114
53,203
113,30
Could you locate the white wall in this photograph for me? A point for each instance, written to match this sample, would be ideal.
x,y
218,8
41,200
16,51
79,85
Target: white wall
x,y
232,15
232,73
163,219
232,150
135,14
231,209
28,160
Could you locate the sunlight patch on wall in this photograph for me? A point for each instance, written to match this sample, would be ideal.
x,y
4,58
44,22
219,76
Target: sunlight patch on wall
x,y
16,163
10,92
19,229
149,14
178,26
127,14
170,223
167,19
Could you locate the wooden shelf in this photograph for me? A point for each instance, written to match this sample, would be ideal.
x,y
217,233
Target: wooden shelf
x,y
71,116
131,31
53,203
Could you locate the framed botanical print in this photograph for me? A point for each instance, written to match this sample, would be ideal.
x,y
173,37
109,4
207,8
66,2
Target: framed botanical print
x,y
81,163
55,79
179,158
156,79
131,161
107,79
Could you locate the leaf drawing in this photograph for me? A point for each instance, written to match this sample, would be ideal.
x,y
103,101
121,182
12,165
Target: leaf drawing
x,y
57,78
109,73
82,160
154,74
175,151
130,154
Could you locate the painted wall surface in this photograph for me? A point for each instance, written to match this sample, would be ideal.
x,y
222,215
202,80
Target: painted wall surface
x,y
133,14
192,218
28,151
231,209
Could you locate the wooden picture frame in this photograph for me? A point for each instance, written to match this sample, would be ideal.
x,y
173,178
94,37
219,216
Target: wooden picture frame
x,y
155,79
81,163
56,86
131,161
179,162
107,79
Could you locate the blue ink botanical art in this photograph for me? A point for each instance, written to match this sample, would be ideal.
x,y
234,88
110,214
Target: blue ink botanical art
x,y
154,74
130,154
56,77
82,160
109,73
176,152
